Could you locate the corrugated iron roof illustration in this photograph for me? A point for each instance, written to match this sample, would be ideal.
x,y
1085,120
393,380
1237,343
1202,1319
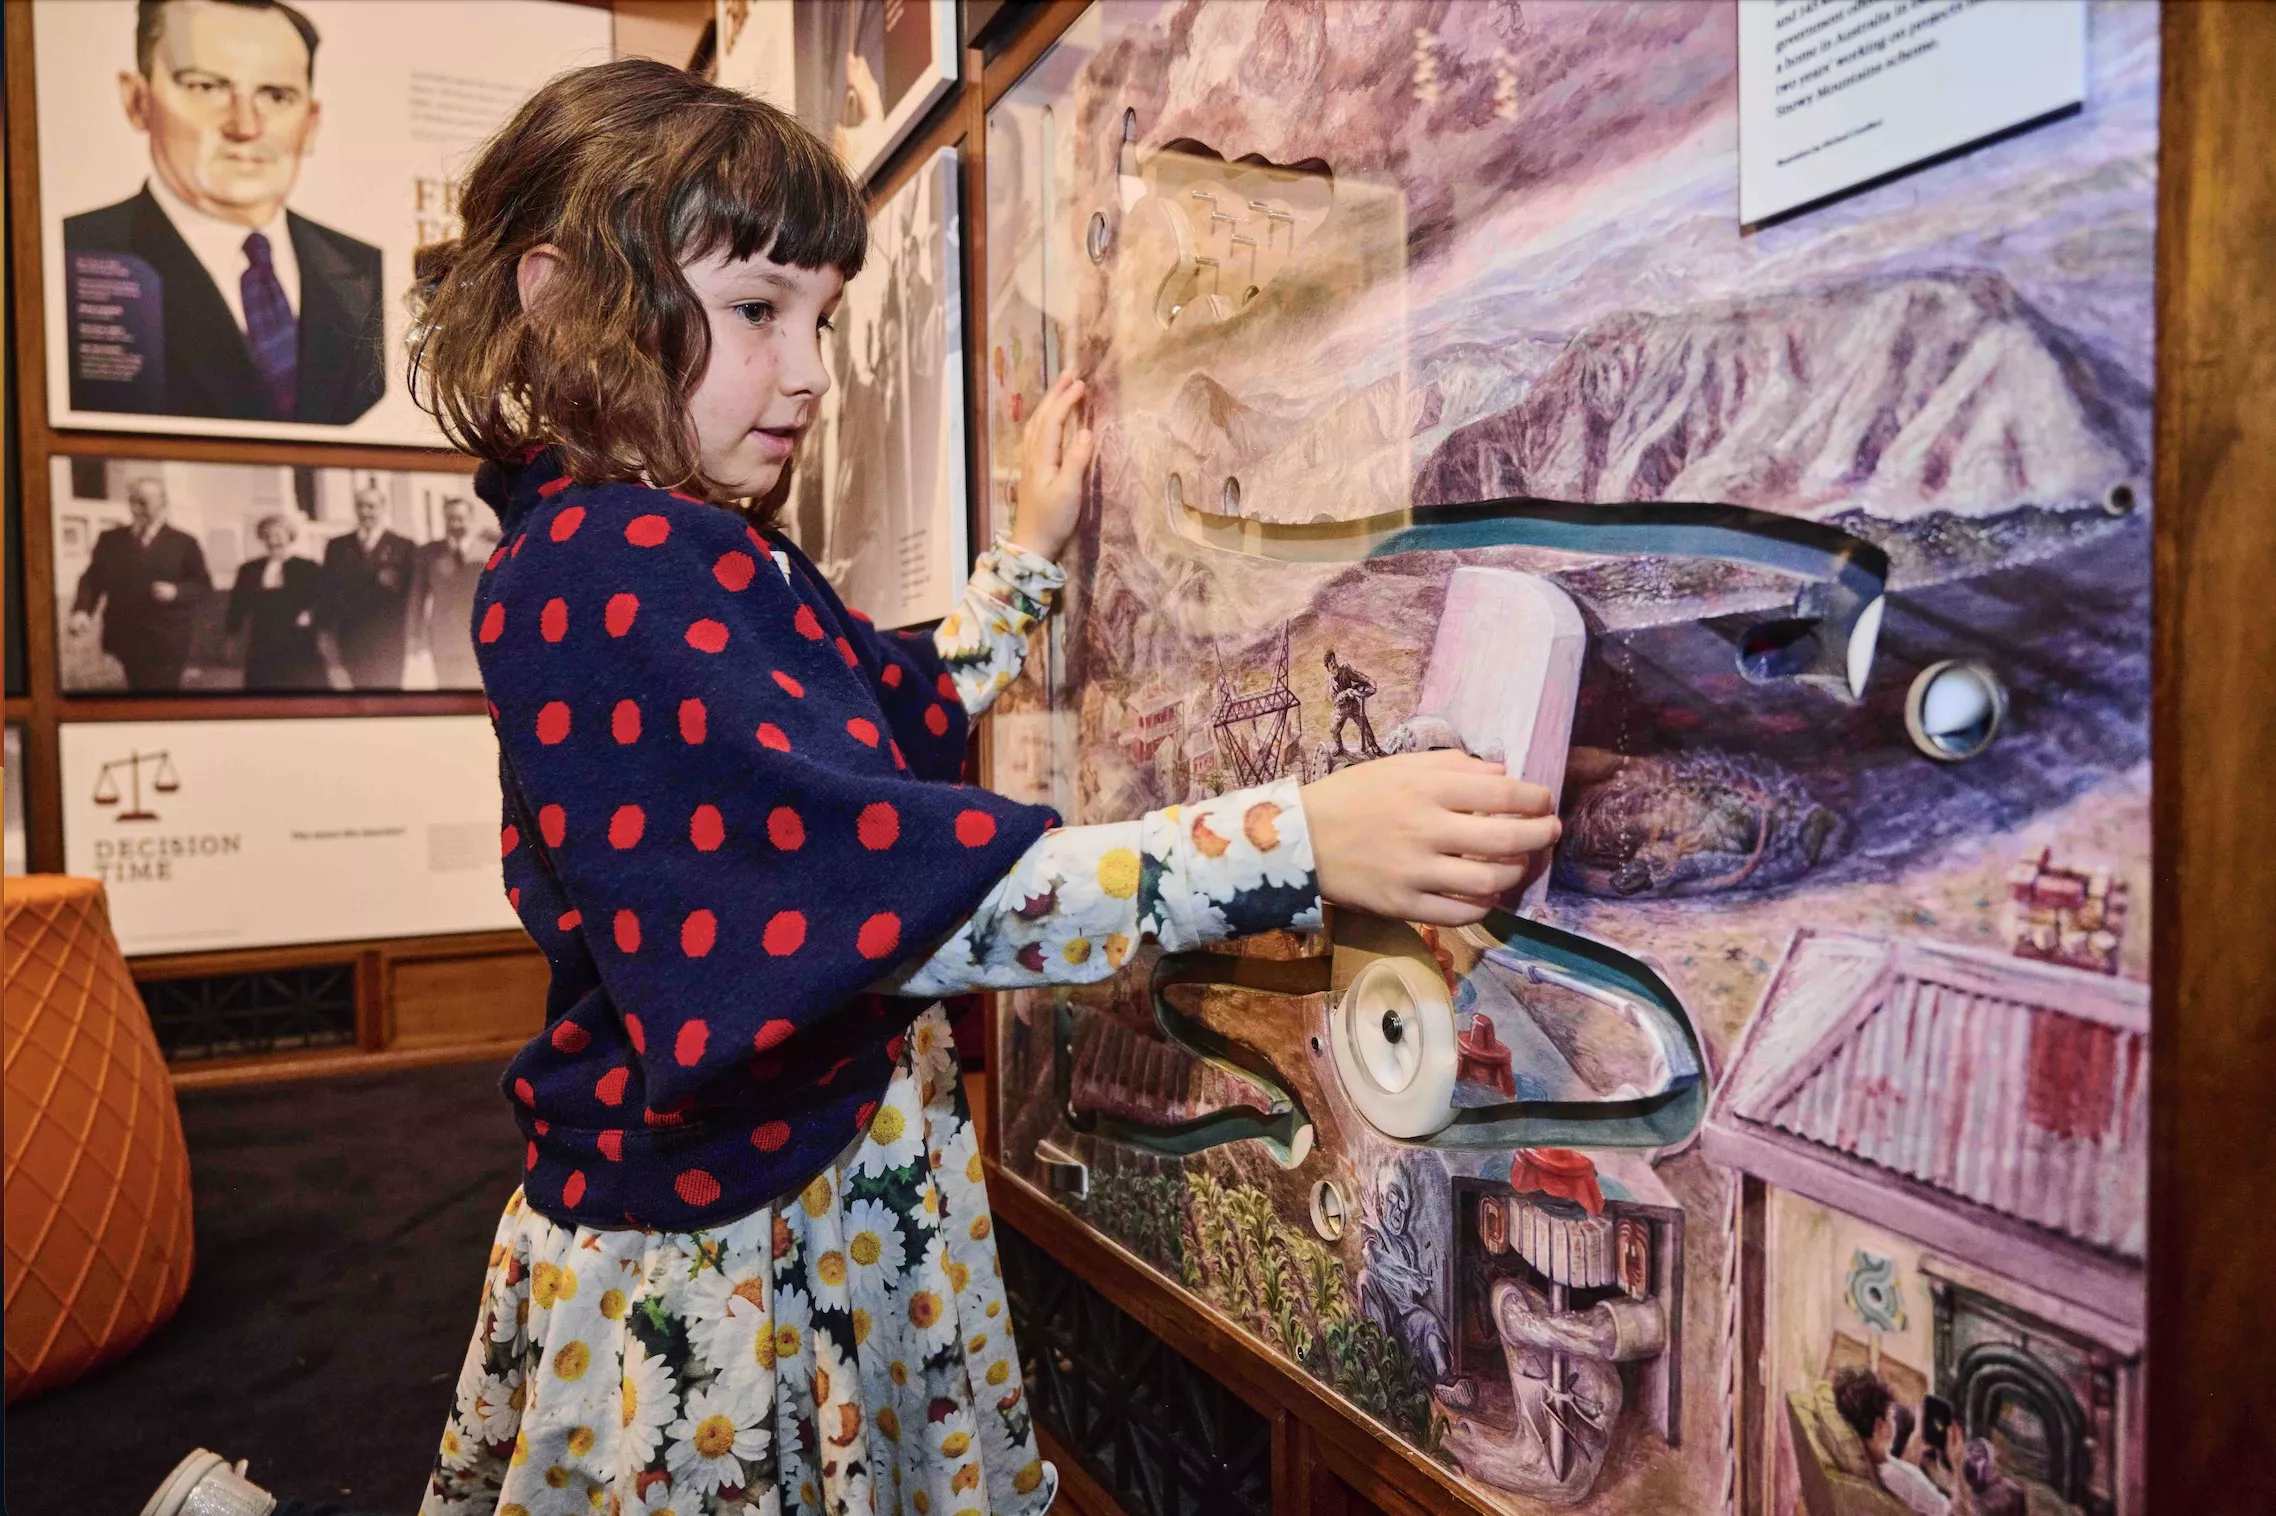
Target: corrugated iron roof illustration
x,y
2009,1087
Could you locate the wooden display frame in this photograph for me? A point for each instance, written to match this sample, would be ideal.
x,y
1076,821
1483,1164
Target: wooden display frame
x,y
2213,1069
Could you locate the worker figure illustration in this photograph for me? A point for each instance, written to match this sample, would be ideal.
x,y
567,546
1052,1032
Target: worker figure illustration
x,y
1351,691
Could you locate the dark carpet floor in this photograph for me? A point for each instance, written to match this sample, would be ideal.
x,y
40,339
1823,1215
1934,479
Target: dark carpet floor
x,y
342,1230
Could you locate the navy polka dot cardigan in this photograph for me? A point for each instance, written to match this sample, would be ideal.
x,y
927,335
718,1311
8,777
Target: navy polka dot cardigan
x,y
729,808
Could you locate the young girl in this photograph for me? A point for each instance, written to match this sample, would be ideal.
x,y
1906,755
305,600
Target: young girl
x,y
750,1266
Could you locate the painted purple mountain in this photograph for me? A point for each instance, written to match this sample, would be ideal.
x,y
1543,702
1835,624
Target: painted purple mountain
x,y
1901,396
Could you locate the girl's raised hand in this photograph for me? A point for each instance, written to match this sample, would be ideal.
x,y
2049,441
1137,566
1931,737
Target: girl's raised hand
x,y
1054,451
1428,837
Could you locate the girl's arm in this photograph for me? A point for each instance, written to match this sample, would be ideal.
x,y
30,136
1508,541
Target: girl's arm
x,y
983,642
1079,899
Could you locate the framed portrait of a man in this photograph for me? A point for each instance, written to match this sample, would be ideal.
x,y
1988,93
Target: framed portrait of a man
x,y
195,577
231,192
860,73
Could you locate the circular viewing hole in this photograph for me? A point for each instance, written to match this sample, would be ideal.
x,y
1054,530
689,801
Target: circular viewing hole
x,y
1331,1213
2120,500
1954,709
1098,237
1130,125
1232,496
1250,294
1318,1046
1174,492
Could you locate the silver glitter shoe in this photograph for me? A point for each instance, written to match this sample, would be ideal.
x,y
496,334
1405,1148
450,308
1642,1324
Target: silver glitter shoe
x,y
204,1484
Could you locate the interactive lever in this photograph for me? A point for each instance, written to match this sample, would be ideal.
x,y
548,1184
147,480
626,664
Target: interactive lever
x,y
1828,641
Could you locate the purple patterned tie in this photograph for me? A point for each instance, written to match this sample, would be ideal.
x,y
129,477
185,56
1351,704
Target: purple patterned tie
x,y
269,326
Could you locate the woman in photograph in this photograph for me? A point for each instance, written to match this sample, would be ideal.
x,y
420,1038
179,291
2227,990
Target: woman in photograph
x,y
274,604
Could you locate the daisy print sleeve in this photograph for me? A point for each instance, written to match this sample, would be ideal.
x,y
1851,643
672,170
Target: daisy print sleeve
x,y
1080,899
719,829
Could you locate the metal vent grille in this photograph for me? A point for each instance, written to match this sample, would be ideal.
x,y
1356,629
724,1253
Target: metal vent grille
x,y
1162,1436
239,1015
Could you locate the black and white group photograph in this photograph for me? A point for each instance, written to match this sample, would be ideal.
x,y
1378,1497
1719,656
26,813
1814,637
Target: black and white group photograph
x,y
191,577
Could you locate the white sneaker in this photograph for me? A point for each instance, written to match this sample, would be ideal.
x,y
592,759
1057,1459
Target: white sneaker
x,y
204,1484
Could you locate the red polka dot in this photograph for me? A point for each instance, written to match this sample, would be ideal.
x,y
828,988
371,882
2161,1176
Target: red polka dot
x,y
707,635
624,722
864,730
771,1036
553,621
687,1047
706,830
845,651
530,1160
734,570
899,762
627,932
785,934
565,524
698,933
936,720
516,550
757,541
879,936
785,830
541,1127
569,1037
634,1030
524,1093
573,1188
620,613
493,711
497,556
790,686
975,828
891,674
861,616
647,531
514,897
493,622
893,1048
771,1137
771,735
861,1117
878,827
834,1070
508,840
947,687
553,823
555,486
626,826
553,722
692,721
570,921
808,627
696,1187
611,1144
610,1088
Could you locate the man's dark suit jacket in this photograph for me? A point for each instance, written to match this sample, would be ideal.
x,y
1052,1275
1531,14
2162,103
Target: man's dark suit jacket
x,y
367,604
147,636
209,366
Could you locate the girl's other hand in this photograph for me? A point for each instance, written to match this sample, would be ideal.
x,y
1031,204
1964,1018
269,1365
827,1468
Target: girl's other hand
x,y
1054,452
1434,837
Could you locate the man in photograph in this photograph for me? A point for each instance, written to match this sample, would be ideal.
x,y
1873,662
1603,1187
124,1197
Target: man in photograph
x,y
145,578
202,295
368,577
443,606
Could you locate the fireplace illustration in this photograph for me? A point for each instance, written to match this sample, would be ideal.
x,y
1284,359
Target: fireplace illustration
x,y
1979,1121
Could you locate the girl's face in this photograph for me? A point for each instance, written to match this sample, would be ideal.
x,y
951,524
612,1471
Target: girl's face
x,y
765,379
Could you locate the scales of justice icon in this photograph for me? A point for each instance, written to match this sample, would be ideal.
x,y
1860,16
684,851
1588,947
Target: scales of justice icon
x,y
163,781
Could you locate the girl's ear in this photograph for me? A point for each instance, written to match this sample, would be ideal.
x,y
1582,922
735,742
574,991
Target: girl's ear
x,y
534,271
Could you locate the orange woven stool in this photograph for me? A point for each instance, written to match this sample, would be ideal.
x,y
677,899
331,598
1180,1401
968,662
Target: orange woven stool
x,y
98,1180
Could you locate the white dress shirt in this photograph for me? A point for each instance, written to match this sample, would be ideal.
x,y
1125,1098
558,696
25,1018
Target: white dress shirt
x,y
220,247
1914,1488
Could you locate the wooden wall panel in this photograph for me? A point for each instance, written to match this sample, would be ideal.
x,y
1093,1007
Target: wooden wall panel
x,y
448,1002
2211,1397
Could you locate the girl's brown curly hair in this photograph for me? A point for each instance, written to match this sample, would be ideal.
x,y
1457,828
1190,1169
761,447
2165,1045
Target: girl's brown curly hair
x,y
631,169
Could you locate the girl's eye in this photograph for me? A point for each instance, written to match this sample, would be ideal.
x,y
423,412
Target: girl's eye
x,y
757,312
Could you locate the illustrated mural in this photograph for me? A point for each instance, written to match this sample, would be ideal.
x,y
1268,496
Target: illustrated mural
x,y
1443,402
